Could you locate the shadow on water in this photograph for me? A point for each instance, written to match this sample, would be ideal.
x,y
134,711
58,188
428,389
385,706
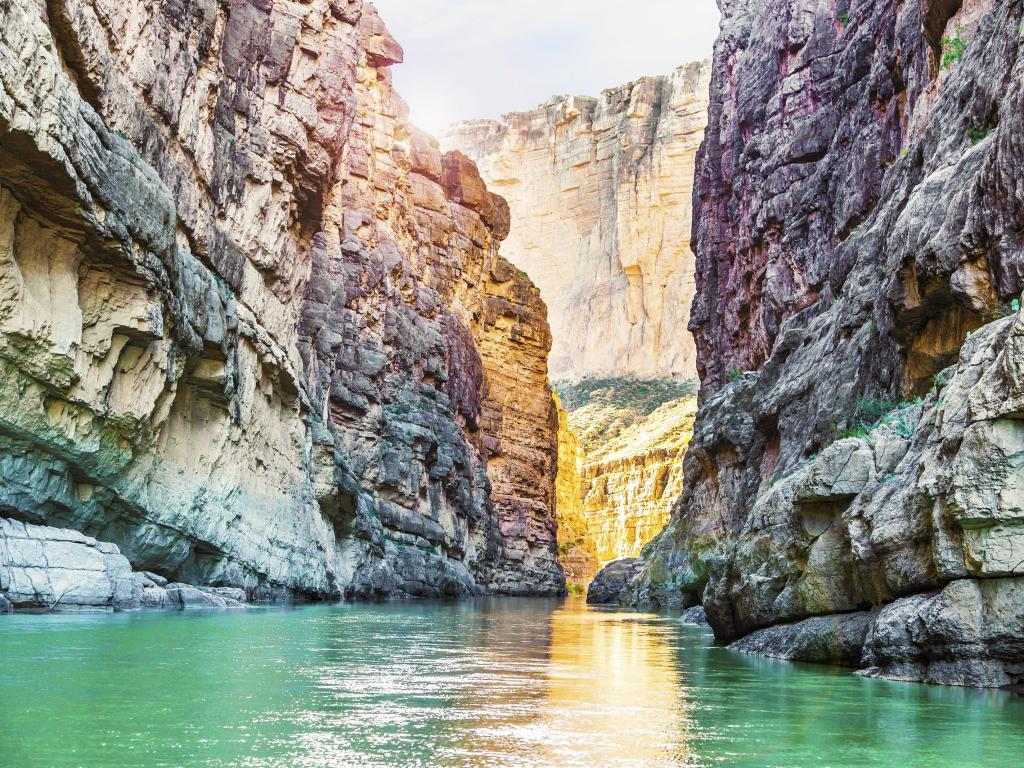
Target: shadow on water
x,y
498,682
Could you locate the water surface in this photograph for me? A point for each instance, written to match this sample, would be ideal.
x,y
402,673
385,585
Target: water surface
x,y
490,683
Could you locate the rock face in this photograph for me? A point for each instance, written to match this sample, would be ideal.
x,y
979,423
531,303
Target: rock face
x,y
600,193
55,569
627,438
858,443
42,567
630,482
255,329
576,549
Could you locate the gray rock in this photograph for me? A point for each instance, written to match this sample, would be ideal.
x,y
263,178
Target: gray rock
x,y
61,569
5,605
154,579
610,582
187,596
694,615
821,639
969,634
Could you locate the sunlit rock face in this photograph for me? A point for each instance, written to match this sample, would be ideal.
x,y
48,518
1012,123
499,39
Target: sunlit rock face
x,y
255,329
858,240
576,549
627,438
600,192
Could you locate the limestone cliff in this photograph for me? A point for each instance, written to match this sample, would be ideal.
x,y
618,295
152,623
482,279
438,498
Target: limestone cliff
x,y
254,329
852,489
576,549
600,191
627,438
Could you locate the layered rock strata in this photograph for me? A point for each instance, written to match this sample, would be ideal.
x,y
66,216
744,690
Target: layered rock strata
x,y
621,446
600,192
254,329
630,482
858,234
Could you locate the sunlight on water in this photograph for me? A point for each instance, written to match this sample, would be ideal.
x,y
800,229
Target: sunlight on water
x,y
488,683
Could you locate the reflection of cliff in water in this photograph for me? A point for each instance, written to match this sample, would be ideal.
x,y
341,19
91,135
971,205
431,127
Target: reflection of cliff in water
x,y
614,695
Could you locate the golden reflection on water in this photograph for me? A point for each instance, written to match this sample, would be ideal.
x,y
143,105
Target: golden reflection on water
x,y
609,694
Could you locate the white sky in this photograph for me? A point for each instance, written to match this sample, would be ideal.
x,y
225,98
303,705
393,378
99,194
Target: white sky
x,y
481,58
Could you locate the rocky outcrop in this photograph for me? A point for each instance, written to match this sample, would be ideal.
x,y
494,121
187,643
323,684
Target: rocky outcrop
x,y
858,238
54,569
600,193
627,437
609,583
51,568
255,329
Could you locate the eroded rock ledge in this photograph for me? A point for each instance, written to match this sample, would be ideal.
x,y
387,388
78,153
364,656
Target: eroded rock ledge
x,y
858,237
254,329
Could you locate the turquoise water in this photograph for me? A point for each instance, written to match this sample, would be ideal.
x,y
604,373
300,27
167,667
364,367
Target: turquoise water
x,y
489,683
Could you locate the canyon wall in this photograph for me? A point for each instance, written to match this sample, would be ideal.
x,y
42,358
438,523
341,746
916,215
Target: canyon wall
x,y
600,191
255,330
852,488
621,446
630,481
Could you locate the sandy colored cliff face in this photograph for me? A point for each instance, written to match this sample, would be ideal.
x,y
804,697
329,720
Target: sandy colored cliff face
x,y
576,549
254,329
600,193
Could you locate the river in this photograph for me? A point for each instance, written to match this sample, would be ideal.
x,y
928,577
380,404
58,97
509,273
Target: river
x,y
495,682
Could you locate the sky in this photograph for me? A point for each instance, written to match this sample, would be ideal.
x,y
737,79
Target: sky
x,y
482,58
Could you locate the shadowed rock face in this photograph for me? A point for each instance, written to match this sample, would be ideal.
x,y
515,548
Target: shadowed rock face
x,y
858,235
255,329
600,191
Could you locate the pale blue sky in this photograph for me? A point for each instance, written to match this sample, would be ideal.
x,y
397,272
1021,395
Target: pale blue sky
x,y
481,58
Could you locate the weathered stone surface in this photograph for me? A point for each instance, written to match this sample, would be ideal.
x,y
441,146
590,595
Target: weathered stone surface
x,y
858,239
56,569
625,439
694,615
254,329
822,639
608,584
600,193
630,482
970,634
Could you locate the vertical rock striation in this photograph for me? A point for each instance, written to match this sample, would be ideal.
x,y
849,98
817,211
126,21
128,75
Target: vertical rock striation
x,y
858,236
600,191
254,328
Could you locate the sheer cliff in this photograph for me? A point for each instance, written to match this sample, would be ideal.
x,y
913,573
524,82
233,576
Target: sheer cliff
x,y
851,490
600,191
255,330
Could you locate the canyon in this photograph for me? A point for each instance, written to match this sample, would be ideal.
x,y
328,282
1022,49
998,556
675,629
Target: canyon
x,y
600,189
255,330
851,492
263,339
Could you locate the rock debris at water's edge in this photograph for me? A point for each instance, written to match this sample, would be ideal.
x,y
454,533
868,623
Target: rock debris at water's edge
x,y
851,489
53,569
254,328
